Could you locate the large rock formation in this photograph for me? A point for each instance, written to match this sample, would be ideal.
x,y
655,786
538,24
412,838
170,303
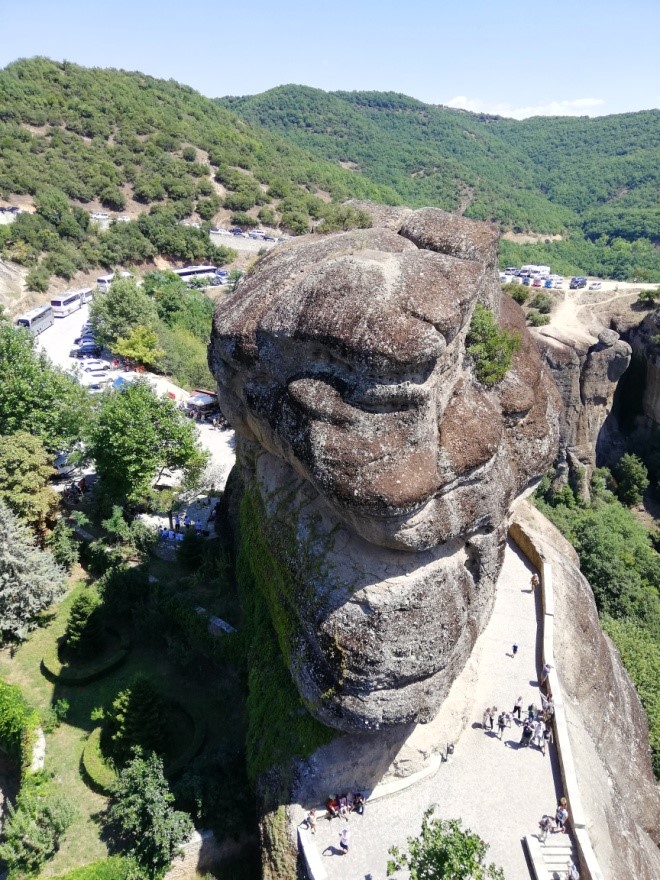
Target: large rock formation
x,y
586,370
378,468
645,342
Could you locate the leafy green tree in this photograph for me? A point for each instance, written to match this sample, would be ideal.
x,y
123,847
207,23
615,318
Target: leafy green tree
x,y
490,348
34,396
25,468
234,277
116,314
30,579
140,346
444,851
63,545
137,436
632,479
34,828
543,302
143,815
84,631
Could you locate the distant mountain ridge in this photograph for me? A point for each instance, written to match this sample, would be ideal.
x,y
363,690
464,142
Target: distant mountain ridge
x,y
546,174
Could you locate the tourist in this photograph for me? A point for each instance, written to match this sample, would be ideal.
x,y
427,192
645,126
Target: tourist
x,y
517,708
547,737
343,808
535,581
546,825
572,872
177,523
491,717
344,839
311,820
332,806
359,803
561,816
508,719
171,535
198,527
514,649
350,801
486,718
546,672
501,723
187,522
526,737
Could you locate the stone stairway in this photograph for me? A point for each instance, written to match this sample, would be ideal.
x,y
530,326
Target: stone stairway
x,y
550,860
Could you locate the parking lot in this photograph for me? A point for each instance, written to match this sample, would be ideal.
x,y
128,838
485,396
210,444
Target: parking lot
x,y
58,340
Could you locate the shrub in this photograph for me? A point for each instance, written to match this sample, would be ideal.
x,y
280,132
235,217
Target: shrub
x,y
649,298
536,319
114,868
121,588
18,725
267,216
99,775
542,302
518,293
80,674
63,545
490,348
98,558
34,827
242,219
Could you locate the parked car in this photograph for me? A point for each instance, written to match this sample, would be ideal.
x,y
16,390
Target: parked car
x,y
85,338
526,280
93,365
548,282
269,237
88,349
537,282
595,285
578,282
62,466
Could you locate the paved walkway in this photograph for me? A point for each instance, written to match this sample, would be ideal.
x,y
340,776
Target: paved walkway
x,y
499,790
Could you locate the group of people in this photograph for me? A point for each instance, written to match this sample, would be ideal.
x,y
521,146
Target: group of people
x,y
340,807
556,825
176,534
536,727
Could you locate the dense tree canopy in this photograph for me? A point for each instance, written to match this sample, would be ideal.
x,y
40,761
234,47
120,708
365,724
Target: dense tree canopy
x,y
25,468
136,436
34,396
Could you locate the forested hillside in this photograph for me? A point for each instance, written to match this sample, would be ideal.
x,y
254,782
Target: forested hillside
x,y
594,181
77,138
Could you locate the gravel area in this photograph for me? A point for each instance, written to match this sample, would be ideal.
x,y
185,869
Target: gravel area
x,y
499,790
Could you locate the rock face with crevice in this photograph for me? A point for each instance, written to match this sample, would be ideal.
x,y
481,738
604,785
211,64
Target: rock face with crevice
x,y
381,470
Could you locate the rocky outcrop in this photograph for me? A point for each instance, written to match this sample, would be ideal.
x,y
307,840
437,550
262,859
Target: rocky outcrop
x,y
645,342
606,723
379,469
586,371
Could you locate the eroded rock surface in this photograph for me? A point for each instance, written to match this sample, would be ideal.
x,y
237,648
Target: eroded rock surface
x,y
381,471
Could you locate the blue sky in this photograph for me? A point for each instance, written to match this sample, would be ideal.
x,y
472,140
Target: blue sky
x,y
519,59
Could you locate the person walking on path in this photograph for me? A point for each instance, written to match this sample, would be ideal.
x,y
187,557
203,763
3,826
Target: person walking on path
x,y
344,839
486,718
526,737
535,582
514,649
561,816
572,872
491,717
517,709
545,673
539,729
501,723
547,737
546,826
311,820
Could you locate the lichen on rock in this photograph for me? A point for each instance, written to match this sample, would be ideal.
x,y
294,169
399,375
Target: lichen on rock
x,y
341,363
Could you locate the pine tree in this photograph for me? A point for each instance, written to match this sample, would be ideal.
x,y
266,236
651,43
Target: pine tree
x,y
136,718
84,631
30,579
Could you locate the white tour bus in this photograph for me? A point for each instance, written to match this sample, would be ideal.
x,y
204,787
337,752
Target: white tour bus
x,y
36,320
66,303
192,272
103,283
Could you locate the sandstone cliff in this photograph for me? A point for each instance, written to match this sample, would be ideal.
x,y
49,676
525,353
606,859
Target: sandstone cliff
x,y
379,470
607,725
645,342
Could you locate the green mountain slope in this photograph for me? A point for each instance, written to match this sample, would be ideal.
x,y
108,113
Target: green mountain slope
x,y
594,181
76,138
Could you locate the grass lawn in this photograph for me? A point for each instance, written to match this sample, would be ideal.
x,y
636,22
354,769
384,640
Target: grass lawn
x,y
215,694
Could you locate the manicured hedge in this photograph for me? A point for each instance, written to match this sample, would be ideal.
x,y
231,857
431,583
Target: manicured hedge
x,y
18,726
98,774
85,673
196,743
113,868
